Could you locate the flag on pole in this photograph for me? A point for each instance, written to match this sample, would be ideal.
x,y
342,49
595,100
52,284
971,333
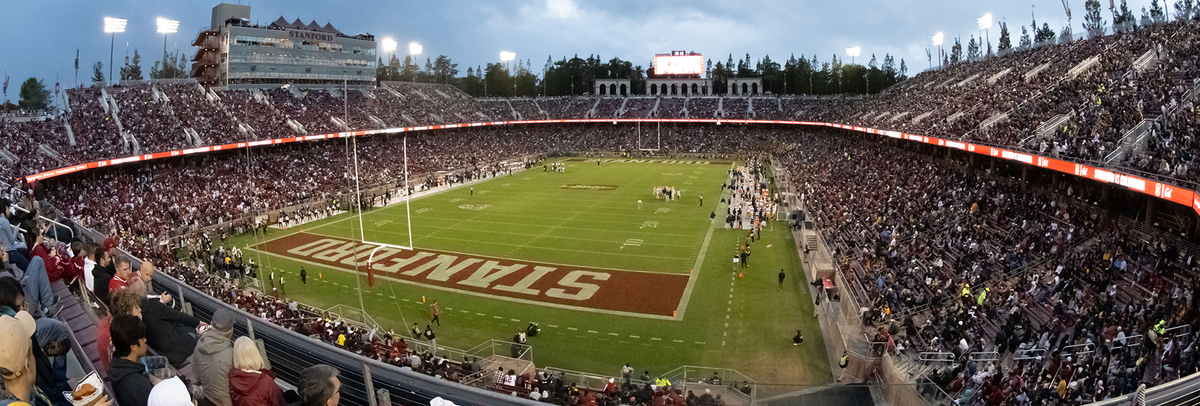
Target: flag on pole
x,y
77,59
6,84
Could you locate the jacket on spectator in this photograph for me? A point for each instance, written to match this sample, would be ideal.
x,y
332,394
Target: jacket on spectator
x,y
130,382
53,266
162,331
211,363
104,341
103,276
254,388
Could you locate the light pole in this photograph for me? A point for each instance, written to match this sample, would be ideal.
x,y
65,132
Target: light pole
x,y
985,23
505,57
113,26
853,52
937,42
389,45
165,27
414,49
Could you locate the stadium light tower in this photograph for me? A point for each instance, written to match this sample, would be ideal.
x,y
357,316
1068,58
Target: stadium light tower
x,y
113,26
506,56
937,42
853,52
415,48
389,45
165,27
985,23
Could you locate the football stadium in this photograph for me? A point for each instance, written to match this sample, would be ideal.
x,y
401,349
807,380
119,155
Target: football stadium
x,y
282,213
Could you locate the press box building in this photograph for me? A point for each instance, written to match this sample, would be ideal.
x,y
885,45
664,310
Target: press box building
x,y
235,54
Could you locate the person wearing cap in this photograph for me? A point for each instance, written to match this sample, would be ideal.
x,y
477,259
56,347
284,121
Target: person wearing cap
x,y
213,358
250,383
129,381
18,368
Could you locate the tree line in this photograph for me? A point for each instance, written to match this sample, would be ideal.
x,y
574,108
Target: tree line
x,y
576,75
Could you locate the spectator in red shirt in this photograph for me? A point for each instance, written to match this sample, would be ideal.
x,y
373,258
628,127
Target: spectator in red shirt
x,y
124,272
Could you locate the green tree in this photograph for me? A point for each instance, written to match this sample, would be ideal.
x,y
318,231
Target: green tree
x,y
1026,42
34,95
1123,15
98,74
408,71
1065,36
1005,38
1093,23
1157,14
133,71
973,52
903,71
1045,34
956,51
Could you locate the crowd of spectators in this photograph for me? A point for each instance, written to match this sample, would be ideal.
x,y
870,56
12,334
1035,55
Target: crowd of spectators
x,y
528,109
637,107
735,107
701,107
1038,299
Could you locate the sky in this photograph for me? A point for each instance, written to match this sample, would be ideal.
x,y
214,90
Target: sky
x,y
42,36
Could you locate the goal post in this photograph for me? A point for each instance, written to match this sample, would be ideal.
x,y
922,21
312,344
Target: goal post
x,y
403,193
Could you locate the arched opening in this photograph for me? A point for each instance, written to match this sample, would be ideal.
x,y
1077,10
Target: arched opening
x,y
683,89
674,88
653,89
734,88
624,91
695,88
754,88
704,89
745,88
612,89
603,90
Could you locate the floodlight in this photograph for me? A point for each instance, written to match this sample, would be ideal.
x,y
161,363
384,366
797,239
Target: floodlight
x,y
114,25
853,52
507,56
985,22
937,38
389,45
166,26
414,48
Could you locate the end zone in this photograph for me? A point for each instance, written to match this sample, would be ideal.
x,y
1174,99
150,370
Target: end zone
x,y
640,294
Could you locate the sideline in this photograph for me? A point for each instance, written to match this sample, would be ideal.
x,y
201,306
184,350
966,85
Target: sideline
x,y
687,292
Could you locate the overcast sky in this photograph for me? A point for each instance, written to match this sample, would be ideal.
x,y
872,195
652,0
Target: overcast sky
x,y
41,37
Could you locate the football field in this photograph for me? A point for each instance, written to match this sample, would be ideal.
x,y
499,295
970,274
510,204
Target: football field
x,y
609,280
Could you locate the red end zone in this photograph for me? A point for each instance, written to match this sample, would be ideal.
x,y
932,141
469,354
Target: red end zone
x,y
587,288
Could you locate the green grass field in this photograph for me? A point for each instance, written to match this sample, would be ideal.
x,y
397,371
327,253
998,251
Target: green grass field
x,y
739,323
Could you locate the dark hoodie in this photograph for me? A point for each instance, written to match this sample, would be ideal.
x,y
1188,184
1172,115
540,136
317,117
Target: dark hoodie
x,y
130,382
256,388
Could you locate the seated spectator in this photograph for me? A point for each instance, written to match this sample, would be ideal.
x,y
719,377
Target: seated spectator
x,y
213,358
250,383
51,370
10,239
129,381
103,272
168,390
319,386
18,367
123,275
124,303
168,331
